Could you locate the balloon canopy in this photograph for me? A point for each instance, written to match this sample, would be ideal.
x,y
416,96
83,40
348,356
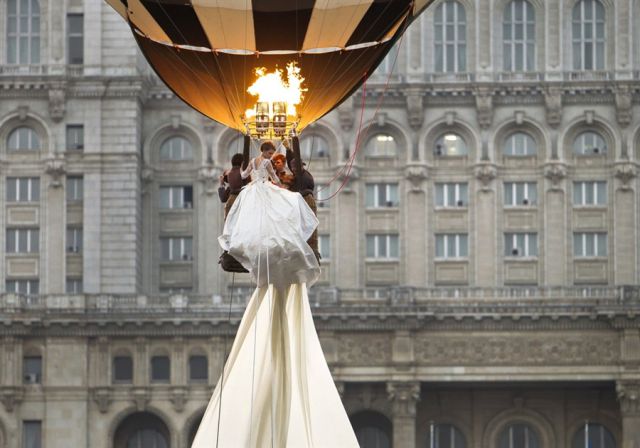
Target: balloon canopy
x,y
208,51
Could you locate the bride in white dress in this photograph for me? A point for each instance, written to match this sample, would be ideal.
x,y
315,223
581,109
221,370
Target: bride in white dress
x,y
276,390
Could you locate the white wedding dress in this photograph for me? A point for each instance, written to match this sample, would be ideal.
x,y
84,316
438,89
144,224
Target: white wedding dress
x,y
276,390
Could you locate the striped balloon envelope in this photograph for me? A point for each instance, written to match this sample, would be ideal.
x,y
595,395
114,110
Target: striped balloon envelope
x,y
207,51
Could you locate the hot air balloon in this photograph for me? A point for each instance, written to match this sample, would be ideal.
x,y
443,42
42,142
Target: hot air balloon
x,y
209,52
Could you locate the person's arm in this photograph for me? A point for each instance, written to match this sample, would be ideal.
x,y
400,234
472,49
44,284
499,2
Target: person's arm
x,y
245,152
245,173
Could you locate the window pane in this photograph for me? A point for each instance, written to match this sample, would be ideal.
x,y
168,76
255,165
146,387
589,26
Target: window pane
x,y
394,250
160,368
198,368
370,195
440,246
122,369
32,369
463,245
371,246
602,245
32,434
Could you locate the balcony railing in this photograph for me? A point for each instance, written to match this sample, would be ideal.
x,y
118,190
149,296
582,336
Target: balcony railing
x,y
324,298
73,71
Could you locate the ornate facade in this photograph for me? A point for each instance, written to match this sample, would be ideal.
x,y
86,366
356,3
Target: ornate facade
x,y
481,260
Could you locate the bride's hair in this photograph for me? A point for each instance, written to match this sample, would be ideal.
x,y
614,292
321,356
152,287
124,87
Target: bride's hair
x,y
266,146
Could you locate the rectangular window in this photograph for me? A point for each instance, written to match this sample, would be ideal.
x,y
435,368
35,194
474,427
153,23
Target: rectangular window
x,y
590,244
382,195
32,370
324,246
75,39
74,240
75,137
520,194
198,368
32,434
26,287
160,369
452,245
451,195
176,249
75,188
122,369
176,197
23,32
590,193
74,286
383,246
23,241
520,244
23,189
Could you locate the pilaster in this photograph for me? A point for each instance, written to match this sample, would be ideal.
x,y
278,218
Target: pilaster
x,y
629,398
403,397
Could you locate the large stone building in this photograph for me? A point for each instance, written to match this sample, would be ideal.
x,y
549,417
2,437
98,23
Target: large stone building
x,y
481,262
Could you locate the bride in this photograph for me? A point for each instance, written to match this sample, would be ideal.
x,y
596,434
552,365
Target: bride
x,y
276,389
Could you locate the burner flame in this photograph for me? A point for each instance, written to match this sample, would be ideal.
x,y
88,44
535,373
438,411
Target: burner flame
x,y
273,88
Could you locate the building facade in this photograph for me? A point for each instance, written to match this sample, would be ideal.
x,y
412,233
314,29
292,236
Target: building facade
x,y
479,228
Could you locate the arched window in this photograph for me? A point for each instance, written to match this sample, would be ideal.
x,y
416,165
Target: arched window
x,y
23,138
519,36
519,144
176,149
198,368
597,437
518,435
589,143
122,369
314,146
23,32
142,430
450,37
382,145
450,144
588,35
446,436
372,430
160,369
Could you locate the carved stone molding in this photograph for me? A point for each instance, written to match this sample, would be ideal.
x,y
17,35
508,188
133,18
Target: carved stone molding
x,y
11,396
485,173
55,168
210,178
403,397
57,100
348,176
629,397
416,175
147,174
625,172
553,106
103,399
415,109
179,398
556,172
624,105
141,397
484,107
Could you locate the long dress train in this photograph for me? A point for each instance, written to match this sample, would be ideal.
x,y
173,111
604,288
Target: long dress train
x,y
277,390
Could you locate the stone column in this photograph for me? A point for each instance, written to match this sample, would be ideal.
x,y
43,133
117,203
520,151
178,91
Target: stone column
x,y
348,233
416,218
629,397
404,397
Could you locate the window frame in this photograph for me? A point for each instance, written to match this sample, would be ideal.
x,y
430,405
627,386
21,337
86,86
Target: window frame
x,y
580,193
37,373
376,238
37,426
153,369
443,43
32,286
206,370
130,368
528,430
388,152
583,244
509,147
527,42
73,36
388,193
527,245
74,185
324,246
34,142
447,240
184,256
314,150
580,44
442,150
594,151
172,191
74,242
460,195
167,151
74,132
32,240
527,188
32,185
31,34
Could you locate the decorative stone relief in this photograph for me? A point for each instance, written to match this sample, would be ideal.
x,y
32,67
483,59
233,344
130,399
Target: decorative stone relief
x,y
179,398
11,396
141,397
403,397
102,398
629,397
484,107
486,173
416,175
348,175
57,100
209,176
147,175
415,109
55,168
624,106
553,105
365,349
625,173
345,115
518,350
555,172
